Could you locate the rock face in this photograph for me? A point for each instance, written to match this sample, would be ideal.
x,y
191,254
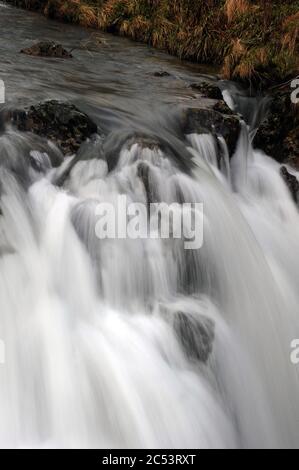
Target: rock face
x,y
278,136
205,120
47,49
62,123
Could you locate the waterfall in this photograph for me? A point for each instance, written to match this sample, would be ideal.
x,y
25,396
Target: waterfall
x,y
124,343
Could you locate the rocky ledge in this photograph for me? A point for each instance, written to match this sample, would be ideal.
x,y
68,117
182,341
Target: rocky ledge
x,y
208,120
67,127
278,135
62,123
209,90
213,116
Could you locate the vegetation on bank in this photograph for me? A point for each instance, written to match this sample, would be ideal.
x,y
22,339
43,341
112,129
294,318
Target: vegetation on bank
x,y
256,41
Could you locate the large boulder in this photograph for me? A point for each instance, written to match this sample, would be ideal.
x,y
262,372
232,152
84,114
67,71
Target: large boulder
x,y
62,123
278,135
47,49
203,120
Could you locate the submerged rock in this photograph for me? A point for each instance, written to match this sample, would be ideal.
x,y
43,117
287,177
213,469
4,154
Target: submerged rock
x,y
162,74
194,331
62,123
206,120
145,142
171,146
144,173
196,335
47,49
291,182
278,135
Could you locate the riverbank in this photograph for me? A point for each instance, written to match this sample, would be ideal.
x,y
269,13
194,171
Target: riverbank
x,y
254,42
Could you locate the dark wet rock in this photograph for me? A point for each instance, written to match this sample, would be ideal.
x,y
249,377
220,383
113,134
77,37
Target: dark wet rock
x,y
293,161
196,334
162,74
223,108
119,139
278,135
172,147
47,49
209,90
144,142
92,149
194,331
144,173
206,120
291,182
62,123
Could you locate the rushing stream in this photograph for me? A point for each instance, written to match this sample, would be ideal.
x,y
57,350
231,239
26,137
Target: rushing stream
x,y
103,338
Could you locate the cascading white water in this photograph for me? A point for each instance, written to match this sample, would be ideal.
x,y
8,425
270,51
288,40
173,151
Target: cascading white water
x,y
140,343
104,338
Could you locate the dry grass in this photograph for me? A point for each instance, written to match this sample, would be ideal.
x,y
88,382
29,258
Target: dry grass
x,y
231,61
250,39
235,8
291,33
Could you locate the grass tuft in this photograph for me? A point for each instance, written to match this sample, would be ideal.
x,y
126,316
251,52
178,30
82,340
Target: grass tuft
x,y
235,8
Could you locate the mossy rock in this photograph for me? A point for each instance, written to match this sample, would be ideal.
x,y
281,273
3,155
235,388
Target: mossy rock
x,y
62,123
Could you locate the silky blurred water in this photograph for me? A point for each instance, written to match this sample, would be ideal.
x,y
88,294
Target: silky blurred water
x,y
104,339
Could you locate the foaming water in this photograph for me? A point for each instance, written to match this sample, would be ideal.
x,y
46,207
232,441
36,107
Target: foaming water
x,y
140,343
